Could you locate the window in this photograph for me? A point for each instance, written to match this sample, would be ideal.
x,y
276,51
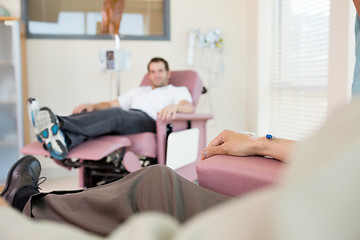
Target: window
x,y
296,98
140,19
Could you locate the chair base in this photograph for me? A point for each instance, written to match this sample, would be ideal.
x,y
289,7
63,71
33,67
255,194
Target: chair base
x,y
99,160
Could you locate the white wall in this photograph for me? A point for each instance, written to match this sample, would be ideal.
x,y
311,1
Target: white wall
x,y
253,58
341,54
64,73
13,6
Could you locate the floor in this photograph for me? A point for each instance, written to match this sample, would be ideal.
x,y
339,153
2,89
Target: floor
x,y
68,180
65,181
59,184
57,178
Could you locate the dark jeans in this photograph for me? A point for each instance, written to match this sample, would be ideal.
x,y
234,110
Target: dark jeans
x,y
84,126
102,209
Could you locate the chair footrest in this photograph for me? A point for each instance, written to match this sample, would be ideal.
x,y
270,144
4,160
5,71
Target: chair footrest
x,y
94,149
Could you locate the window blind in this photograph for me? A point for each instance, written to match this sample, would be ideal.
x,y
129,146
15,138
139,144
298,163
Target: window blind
x,y
297,94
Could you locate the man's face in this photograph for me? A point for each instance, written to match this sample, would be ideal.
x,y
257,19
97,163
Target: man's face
x,y
158,75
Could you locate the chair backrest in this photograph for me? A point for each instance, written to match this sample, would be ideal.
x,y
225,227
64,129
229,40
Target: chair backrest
x,y
187,78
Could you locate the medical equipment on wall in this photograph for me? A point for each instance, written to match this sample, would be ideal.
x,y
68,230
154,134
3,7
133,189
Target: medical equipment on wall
x,y
210,40
205,51
114,60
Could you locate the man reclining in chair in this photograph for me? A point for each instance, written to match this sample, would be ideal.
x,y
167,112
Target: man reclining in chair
x,y
133,112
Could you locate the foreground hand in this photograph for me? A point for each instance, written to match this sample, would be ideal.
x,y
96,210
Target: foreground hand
x,y
231,143
168,111
83,108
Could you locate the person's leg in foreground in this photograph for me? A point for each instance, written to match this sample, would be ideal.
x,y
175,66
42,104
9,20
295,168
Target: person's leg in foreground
x,y
101,209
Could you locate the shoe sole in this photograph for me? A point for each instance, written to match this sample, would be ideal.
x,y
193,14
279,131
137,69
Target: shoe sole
x,y
31,110
32,116
50,139
9,176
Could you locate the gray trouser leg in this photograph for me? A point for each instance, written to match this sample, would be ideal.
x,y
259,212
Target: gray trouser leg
x,y
88,125
101,209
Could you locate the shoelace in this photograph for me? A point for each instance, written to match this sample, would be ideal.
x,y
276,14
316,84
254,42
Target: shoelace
x,y
40,181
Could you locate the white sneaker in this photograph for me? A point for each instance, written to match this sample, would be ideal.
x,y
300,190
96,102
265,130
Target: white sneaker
x,y
48,131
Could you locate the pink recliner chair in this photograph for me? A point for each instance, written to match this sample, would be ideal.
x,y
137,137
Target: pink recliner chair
x,y
110,157
234,176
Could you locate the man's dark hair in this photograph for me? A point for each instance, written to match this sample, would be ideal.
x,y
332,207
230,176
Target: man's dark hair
x,y
158,59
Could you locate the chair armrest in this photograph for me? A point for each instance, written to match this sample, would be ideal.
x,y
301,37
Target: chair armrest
x,y
197,120
183,118
234,176
190,116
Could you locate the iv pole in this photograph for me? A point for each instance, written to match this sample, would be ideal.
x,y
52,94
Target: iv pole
x,y
117,67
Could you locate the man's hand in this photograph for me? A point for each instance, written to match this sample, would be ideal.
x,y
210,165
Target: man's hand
x,y
96,106
83,108
231,143
168,111
182,107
